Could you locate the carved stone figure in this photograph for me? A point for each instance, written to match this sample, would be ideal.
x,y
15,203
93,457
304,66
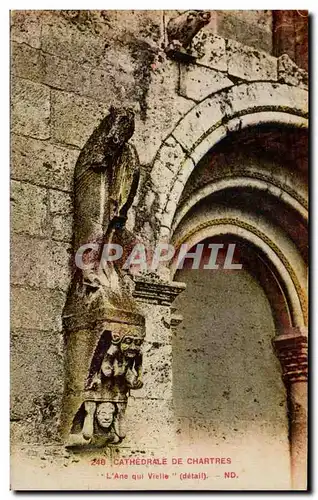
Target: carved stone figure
x,y
182,29
103,328
106,178
105,183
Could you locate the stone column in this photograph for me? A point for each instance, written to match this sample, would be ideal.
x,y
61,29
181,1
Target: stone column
x,y
291,348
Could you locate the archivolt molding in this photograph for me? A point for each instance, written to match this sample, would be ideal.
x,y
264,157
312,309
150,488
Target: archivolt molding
x,y
207,123
249,232
255,180
276,177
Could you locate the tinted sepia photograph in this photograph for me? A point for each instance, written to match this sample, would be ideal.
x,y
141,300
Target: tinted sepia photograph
x,y
159,250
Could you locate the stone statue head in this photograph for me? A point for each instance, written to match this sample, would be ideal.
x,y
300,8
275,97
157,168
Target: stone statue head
x,y
121,330
105,414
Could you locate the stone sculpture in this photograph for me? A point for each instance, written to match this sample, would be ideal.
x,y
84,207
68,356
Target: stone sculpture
x,y
103,328
116,368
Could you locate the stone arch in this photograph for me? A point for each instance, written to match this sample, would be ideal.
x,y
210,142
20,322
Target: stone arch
x,y
210,121
290,199
278,251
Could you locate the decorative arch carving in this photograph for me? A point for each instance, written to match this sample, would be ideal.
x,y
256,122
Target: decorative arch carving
x,y
258,182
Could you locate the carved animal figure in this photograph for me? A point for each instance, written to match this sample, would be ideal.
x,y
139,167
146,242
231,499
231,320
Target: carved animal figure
x,y
182,29
106,177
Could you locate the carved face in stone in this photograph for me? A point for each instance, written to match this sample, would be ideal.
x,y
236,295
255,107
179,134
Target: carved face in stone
x,y
105,414
131,346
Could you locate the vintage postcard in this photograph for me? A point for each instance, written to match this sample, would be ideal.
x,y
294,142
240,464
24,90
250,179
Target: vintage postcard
x,y
159,249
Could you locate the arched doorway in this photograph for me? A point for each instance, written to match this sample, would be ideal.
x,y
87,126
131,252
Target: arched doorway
x,y
229,397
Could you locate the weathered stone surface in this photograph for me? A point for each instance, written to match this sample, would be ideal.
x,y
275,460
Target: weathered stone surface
x,y
74,118
73,76
60,202
103,86
66,74
184,172
162,174
36,309
27,62
164,109
266,95
29,213
42,163
30,111
289,72
157,322
36,375
62,228
26,27
97,83
167,156
82,38
61,212
260,18
60,36
210,49
39,263
249,64
198,82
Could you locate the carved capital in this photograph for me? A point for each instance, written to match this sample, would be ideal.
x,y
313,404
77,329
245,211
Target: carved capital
x,y
155,291
291,349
